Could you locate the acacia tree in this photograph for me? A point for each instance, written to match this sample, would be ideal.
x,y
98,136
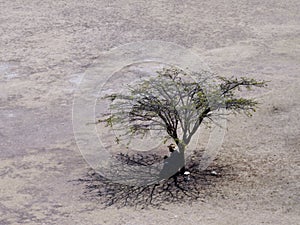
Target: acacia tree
x,y
174,103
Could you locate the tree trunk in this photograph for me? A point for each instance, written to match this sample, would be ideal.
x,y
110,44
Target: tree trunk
x,y
181,157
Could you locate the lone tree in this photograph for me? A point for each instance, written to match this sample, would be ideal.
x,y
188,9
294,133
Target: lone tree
x,y
174,103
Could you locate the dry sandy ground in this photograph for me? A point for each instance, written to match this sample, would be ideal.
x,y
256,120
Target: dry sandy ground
x,y
45,46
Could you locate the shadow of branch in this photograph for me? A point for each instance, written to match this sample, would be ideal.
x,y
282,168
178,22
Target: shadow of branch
x,y
179,188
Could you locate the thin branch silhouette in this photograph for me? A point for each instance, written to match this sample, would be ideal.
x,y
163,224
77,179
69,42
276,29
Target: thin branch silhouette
x,y
178,188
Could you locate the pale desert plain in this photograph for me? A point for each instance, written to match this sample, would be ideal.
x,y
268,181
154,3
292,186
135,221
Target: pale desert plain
x,y
45,49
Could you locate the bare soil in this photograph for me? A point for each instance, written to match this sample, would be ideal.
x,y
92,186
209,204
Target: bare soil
x,y
45,47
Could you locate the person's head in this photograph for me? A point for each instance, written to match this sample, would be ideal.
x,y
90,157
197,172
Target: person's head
x,y
171,147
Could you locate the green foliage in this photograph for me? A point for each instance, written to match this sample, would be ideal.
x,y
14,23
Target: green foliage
x,y
172,101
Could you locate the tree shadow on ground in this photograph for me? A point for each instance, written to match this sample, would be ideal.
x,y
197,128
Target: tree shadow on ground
x,y
179,188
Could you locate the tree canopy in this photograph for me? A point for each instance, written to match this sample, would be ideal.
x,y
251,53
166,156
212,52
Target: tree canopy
x,y
178,102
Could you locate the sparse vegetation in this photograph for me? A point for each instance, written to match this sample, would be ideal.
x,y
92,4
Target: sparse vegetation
x,y
173,103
